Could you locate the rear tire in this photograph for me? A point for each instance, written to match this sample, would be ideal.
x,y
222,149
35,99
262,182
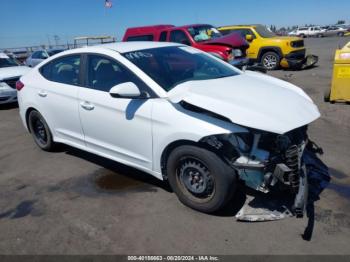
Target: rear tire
x,y
40,131
270,60
200,179
341,34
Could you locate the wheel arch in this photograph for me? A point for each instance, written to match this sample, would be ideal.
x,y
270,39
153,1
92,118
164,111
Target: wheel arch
x,y
213,143
266,49
170,148
29,109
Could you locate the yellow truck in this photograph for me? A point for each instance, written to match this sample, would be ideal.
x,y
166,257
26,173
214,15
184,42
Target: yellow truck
x,y
340,90
268,49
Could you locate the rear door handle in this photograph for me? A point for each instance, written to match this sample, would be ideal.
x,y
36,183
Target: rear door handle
x,y
42,93
87,105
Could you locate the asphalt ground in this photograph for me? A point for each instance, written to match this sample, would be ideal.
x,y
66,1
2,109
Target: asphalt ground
x,y
72,202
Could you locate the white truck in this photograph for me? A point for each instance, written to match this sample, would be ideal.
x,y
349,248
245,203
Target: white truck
x,y
313,31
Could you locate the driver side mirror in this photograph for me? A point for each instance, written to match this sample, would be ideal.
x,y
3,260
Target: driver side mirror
x,y
126,90
249,38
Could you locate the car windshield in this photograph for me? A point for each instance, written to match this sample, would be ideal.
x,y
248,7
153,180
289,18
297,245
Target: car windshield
x,y
264,32
6,61
171,66
54,52
204,33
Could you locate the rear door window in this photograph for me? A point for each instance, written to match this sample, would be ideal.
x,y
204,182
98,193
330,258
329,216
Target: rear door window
x,y
105,73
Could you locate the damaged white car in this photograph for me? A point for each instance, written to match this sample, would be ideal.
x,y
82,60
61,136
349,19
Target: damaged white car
x,y
176,113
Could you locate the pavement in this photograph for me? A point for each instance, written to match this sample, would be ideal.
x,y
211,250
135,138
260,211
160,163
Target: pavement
x,y
72,202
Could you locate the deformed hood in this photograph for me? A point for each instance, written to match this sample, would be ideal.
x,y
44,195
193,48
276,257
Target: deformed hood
x,y
252,100
232,40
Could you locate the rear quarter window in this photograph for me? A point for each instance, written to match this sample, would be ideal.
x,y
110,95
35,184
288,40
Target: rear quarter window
x,y
45,71
63,70
140,38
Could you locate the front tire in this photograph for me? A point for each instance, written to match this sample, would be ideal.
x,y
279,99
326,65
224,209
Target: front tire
x,y
40,131
200,179
271,60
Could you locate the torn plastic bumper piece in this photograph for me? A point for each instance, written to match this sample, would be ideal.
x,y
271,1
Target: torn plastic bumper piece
x,y
257,68
239,62
299,64
259,209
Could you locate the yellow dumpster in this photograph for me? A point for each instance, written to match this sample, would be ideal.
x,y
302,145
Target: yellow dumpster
x,y
340,90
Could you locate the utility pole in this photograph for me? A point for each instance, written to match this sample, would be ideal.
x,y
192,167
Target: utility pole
x,y
57,39
48,40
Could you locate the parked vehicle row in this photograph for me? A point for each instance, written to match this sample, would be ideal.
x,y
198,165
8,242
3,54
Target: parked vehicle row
x,y
10,72
175,112
38,56
318,31
231,49
240,45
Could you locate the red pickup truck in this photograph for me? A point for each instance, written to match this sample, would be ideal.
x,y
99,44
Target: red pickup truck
x,y
231,48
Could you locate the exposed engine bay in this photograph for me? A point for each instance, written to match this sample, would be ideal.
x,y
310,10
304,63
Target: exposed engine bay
x,y
266,162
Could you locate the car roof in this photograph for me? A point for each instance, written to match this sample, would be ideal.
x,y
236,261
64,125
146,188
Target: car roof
x,y
252,25
124,47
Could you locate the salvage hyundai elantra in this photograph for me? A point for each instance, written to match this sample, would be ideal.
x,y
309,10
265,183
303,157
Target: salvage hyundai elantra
x,y
176,113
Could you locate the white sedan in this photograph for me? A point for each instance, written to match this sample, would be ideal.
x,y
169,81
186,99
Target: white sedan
x,y
174,112
10,72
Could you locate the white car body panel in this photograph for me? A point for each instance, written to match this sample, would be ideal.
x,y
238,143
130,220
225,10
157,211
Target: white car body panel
x,y
136,132
118,127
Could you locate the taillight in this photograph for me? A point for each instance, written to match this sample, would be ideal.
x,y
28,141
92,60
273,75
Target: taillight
x,y
19,85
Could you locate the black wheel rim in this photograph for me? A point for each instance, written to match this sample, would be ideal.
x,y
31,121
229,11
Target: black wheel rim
x,y
195,178
39,130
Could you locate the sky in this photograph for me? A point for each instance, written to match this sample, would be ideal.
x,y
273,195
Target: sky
x,y
35,22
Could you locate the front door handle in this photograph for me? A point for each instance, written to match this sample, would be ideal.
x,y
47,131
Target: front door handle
x,y
42,93
87,106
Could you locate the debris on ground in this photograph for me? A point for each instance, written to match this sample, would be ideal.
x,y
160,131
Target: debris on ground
x,y
270,207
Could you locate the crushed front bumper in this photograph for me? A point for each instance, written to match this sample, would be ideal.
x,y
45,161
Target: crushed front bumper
x,y
297,63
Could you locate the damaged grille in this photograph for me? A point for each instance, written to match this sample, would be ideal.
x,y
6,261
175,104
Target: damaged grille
x,y
286,151
12,82
292,161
